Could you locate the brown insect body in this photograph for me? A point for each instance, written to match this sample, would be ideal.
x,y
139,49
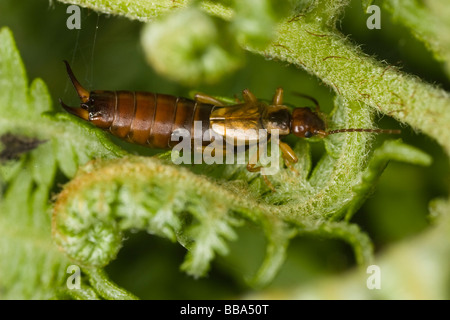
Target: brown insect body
x,y
143,118
152,119
249,121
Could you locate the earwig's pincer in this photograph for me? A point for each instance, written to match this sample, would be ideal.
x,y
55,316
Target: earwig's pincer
x,y
82,92
79,112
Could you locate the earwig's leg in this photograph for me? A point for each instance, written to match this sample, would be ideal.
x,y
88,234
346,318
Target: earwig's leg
x,y
290,166
269,184
278,97
203,98
251,167
236,98
201,149
248,96
288,156
288,153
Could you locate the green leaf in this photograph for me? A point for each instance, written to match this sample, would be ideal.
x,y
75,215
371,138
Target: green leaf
x,y
427,264
30,264
428,22
144,193
191,47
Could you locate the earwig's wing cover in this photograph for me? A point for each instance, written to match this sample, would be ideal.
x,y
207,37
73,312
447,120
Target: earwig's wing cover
x,y
237,123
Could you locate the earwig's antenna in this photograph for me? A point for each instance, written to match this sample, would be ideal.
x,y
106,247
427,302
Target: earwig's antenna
x,y
323,133
387,131
316,103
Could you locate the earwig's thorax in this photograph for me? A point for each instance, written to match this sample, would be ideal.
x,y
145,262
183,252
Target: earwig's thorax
x,y
277,117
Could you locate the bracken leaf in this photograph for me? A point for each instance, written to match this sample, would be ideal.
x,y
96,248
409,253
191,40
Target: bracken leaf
x,y
30,264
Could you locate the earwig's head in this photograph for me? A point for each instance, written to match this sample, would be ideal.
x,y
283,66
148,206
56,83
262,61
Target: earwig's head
x,y
95,107
306,124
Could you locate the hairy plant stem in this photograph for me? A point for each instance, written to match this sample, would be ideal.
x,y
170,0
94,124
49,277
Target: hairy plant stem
x,y
324,52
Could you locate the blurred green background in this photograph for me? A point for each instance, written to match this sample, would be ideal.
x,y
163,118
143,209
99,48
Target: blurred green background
x,y
106,54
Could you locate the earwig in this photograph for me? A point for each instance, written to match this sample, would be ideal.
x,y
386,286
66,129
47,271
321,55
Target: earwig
x,y
151,119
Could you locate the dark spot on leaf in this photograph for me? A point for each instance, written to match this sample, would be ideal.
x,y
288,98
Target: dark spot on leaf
x,y
15,145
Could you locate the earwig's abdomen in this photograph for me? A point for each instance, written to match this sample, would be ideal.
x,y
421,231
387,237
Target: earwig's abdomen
x,y
143,117
150,119
184,119
164,117
201,113
123,113
103,102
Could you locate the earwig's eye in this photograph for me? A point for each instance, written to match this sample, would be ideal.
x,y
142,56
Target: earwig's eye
x,y
84,106
308,134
